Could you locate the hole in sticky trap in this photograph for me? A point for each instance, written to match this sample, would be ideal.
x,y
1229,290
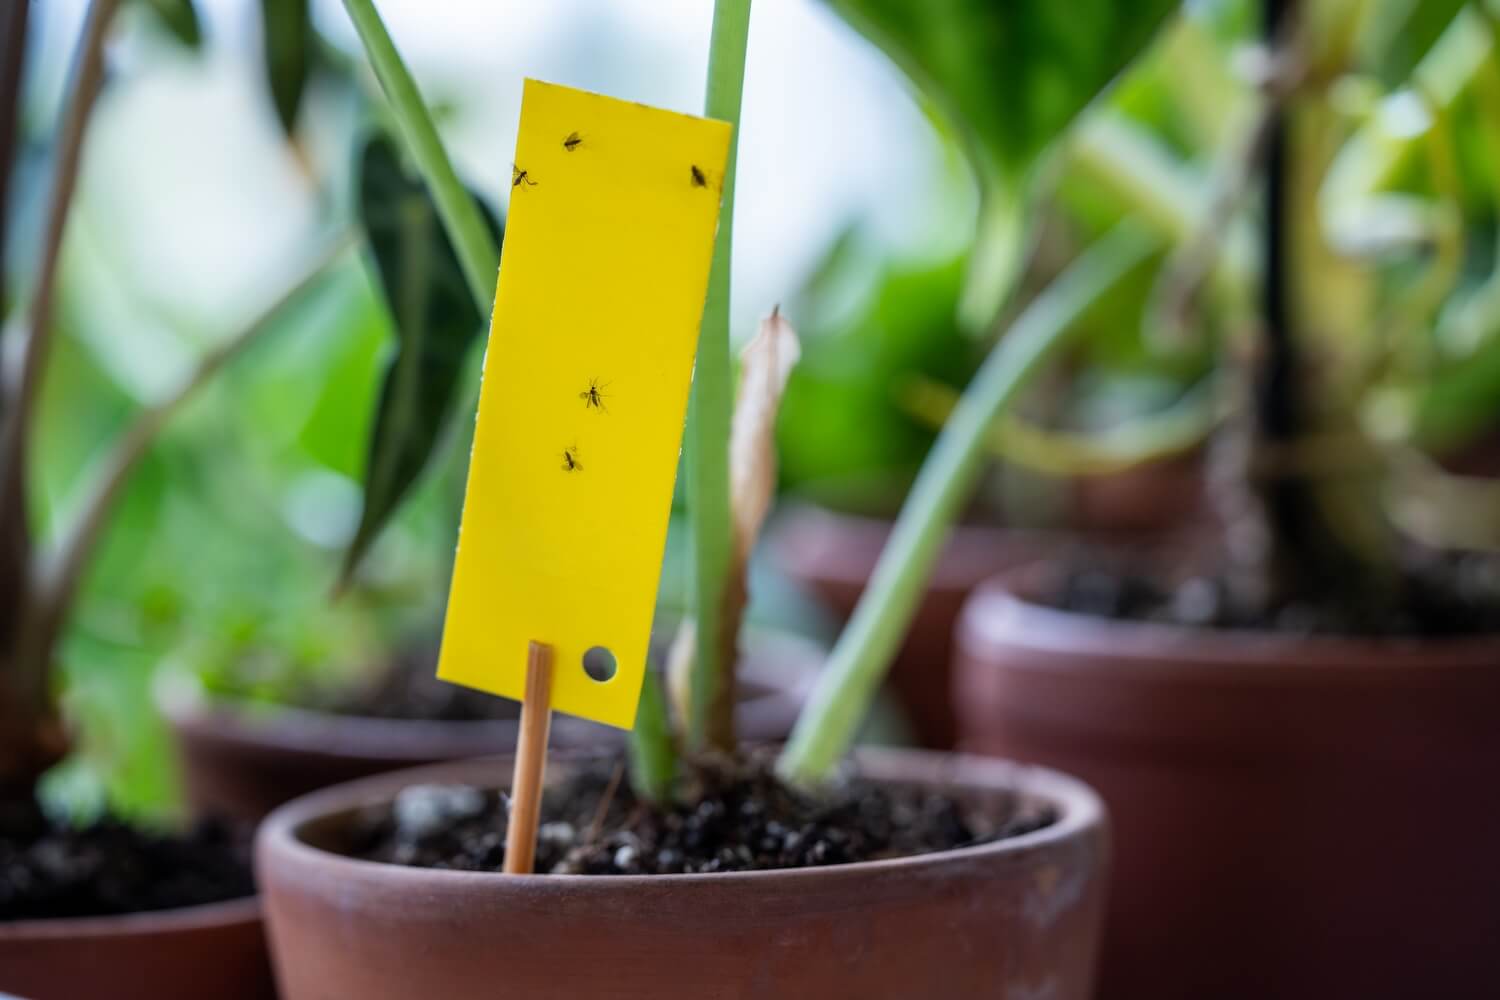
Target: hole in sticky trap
x,y
599,663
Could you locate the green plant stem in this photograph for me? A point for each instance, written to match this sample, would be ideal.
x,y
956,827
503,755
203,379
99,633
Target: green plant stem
x,y
477,253
712,400
858,662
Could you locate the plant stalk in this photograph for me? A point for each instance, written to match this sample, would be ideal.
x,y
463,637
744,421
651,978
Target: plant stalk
x,y
477,253
15,542
711,402
28,682
1303,555
857,664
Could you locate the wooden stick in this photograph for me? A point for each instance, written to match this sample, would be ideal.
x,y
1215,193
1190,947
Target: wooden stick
x,y
531,762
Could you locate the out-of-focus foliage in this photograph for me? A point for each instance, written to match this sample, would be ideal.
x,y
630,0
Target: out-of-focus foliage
x,y
866,326
179,17
287,36
1404,294
436,324
1009,78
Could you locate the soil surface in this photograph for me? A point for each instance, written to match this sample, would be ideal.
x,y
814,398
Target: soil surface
x,y
48,870
1432,596
732,818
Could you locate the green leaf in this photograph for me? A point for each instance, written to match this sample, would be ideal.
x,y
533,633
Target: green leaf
x,y
653,753
436,323
287,29
180,18
1009,77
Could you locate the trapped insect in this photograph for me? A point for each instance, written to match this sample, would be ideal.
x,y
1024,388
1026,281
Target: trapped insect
x,y
700,179
572,141
519,177
570,462
594,396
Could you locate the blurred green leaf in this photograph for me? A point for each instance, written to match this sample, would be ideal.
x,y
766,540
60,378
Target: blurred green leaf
x,y
287,30
180,18
1009,77
840,418
653,754
436,323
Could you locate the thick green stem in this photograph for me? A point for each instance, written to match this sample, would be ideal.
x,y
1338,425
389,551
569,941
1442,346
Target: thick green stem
x,y
712,400
859,660
477,253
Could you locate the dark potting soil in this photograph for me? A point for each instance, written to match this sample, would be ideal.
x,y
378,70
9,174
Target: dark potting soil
x,y
735,818
48,870
1432,597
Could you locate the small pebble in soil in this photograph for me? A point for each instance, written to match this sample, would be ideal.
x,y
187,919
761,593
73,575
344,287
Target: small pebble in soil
x,y
736,817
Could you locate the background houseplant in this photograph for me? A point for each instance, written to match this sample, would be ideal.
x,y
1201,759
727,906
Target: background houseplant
x,y
1252,769
85,903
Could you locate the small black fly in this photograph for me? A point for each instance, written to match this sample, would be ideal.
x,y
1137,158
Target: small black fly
x,y
519,177
572,141
594,396
700,179
570,461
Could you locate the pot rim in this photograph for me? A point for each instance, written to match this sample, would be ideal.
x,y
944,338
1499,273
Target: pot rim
x,y
815,542
200,916
1000,613
1079,807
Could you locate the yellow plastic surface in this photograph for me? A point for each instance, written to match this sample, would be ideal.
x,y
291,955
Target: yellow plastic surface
x,y
611,228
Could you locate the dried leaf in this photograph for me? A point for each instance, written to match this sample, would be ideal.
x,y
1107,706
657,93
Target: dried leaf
x,y
765,365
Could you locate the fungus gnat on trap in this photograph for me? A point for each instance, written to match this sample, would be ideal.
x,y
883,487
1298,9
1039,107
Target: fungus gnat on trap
x,y
594,396
700,179
570,462
572,141
519,177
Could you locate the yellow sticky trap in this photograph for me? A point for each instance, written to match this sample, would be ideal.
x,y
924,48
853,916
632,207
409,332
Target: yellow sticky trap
x,y
613,211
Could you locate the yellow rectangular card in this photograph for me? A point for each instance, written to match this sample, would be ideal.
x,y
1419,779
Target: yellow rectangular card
x,y
613,211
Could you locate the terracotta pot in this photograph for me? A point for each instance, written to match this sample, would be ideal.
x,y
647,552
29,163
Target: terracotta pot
x,y
832,555
1017,918
1294,817
217,950
244,761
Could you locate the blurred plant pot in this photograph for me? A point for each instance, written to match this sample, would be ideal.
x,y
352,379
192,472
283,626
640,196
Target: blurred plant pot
x,y
1294,817
832,554
243,761
1015,918
216,950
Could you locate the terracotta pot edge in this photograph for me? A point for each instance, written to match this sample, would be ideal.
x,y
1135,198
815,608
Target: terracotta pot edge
x,y
997,616
1083,817
244,910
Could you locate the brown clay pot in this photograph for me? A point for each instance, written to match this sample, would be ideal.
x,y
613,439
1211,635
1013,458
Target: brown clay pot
x,y
217,950
832,555
1017,918
1294,817
244,761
